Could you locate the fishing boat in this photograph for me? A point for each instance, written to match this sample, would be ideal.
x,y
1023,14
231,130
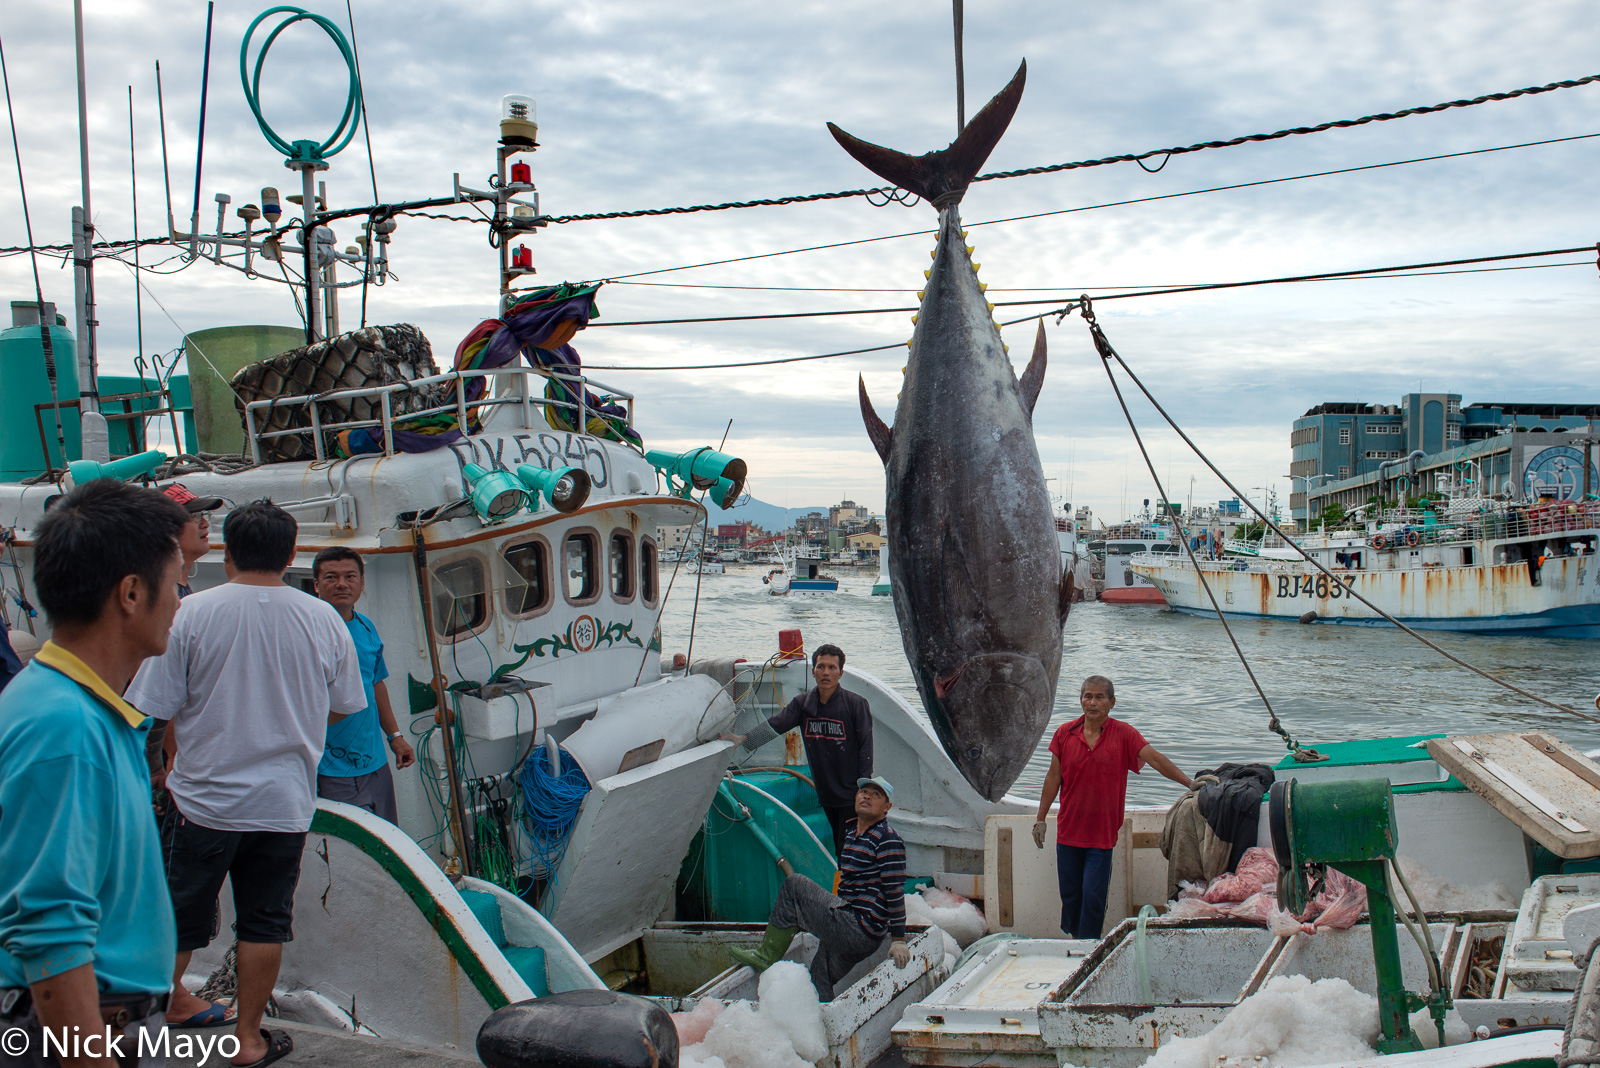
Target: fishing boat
x,y
800,576
1465,564
1125,585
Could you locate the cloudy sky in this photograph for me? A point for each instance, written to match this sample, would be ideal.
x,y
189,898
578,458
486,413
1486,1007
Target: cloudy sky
x,y
650,104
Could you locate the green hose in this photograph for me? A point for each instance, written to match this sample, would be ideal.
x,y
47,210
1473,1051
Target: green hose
x,y
303,151
1140,959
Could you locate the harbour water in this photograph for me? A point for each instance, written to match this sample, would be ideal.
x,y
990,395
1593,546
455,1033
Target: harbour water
x,y
1177,678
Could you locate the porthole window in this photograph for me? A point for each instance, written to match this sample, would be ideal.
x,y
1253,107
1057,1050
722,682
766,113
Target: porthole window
x,y
649,573
460,597
621,566
527,577
580,567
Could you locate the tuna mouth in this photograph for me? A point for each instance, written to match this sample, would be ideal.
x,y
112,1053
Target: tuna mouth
x,y
997,705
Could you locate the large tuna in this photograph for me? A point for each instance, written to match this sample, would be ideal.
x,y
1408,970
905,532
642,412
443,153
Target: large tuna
x,y
973,556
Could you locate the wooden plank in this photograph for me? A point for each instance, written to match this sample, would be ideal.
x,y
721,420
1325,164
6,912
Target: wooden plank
x,y
1003,875
1521,786
1553,749
1505,768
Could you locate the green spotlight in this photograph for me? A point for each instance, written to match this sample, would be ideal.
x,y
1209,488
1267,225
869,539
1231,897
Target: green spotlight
x,y
725,493
700,469
496,495
81,471
566,488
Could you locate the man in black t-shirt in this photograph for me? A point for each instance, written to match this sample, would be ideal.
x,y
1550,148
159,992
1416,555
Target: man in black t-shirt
x,y
836,726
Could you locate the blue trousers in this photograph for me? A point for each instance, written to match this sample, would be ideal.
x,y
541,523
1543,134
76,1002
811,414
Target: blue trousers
x,y
1084,876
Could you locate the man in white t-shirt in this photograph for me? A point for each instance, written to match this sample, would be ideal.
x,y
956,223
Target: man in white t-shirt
x,y
254,673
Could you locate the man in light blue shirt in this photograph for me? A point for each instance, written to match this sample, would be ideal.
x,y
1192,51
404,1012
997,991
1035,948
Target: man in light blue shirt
x,y
86,928
353,768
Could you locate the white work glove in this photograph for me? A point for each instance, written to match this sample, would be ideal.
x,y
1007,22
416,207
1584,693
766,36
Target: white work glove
x,y
900,952
1038,833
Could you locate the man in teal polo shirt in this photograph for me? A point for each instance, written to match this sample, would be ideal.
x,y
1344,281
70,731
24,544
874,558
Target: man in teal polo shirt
x,y
86,929
353,768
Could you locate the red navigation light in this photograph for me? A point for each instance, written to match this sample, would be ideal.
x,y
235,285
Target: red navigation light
x,y
791,646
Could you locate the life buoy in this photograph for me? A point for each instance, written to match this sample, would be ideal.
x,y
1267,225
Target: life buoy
x,y
1413,539
1380,541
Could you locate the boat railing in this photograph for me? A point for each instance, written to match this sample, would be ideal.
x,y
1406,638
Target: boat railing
x,y
522,397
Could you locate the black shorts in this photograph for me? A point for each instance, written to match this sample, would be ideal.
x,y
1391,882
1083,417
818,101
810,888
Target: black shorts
x,y
264,867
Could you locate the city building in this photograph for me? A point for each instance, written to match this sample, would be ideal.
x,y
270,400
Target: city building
x,y
1349,452
848,515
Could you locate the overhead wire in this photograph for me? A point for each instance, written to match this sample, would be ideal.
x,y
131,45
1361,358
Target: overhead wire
x,y
1108,354
1377,272
1105,204
1065,288
1150,292
1130,157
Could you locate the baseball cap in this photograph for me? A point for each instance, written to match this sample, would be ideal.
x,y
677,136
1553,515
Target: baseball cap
x,y
880,782
177,492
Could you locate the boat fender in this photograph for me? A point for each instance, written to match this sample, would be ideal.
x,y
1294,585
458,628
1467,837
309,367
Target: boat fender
x,y
1309,617
1413,539
1380,541
580,1029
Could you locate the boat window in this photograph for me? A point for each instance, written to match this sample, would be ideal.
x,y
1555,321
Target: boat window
x,y
648,571
460,597
527,582
1125,548
1163,548
580,567
621,567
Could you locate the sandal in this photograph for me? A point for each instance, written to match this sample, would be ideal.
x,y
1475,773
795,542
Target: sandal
x,y
214,1015
279,1044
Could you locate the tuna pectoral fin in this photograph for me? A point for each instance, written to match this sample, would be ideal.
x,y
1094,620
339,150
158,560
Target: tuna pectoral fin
x,y
879,433
1033,377
941,177
1065,595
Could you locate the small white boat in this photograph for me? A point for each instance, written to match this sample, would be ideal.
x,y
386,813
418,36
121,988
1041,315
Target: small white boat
x,y
799,576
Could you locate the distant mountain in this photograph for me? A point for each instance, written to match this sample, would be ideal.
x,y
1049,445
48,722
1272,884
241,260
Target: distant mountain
x,y
770,517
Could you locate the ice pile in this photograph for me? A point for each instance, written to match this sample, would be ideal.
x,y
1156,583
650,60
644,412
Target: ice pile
x,y
953,914
1440,895
782,1030
1291,1021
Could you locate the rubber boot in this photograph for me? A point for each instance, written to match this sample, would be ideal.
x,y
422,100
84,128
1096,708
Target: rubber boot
x,y
774,944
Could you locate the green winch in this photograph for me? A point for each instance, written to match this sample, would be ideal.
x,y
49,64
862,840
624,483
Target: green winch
x,y
1350,825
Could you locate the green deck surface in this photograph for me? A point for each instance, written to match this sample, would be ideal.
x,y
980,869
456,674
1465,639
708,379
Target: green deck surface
x,y
1401,750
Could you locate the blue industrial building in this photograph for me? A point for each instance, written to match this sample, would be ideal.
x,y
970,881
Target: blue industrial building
x,y
1340,449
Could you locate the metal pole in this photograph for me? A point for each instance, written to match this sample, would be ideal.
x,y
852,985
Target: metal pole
x,y
308,193
330,295
83,238
443,715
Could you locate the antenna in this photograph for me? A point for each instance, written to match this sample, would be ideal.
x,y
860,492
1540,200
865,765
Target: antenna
x,y
161,110
200,141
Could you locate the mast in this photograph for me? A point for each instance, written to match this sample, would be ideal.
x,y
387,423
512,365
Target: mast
x,y
83,247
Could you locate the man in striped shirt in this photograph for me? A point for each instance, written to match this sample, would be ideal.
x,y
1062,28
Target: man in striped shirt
x,y
870,904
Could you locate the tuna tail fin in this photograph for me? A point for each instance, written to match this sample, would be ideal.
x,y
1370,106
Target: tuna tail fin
x,y
1033,376
880,434
1065,594
941,178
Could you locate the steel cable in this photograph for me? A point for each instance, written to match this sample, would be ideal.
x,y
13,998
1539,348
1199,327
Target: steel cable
x,y
1107,354
1129,157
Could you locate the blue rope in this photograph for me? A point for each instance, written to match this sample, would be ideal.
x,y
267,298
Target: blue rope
x,y
550,806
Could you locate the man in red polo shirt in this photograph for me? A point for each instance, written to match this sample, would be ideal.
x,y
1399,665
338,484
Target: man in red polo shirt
x,y
1090,759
